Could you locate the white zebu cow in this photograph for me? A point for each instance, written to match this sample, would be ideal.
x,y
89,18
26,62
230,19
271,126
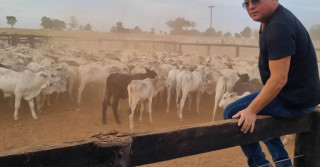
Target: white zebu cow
x,y
97,74
224,84
140,91
228,98
58,85
163,70
72,77
209,82
25,85
171,84
189,82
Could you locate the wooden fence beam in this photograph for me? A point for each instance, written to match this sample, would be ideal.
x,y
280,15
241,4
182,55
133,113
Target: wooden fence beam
x,y
108,149
185,141
117,149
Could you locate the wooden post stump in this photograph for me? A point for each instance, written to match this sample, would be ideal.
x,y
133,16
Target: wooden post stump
x,y
308,145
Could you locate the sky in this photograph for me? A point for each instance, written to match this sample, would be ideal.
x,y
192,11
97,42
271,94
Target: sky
x,y
228,15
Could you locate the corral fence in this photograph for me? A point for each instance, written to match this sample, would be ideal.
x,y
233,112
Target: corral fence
x,y
166,45
123,149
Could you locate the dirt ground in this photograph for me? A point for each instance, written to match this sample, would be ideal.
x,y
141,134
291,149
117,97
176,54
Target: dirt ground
x,y
65,122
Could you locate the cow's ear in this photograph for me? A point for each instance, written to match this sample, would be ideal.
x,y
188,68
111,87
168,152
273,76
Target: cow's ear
x,y
43,75
233,94
239,75
147,69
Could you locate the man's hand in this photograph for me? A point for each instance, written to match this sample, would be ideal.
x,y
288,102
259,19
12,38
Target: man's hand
x,y
247,120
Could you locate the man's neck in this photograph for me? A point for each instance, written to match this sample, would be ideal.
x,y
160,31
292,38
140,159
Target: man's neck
x,y
263,23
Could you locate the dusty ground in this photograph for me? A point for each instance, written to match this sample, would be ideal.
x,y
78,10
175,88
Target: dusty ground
x,y
64,122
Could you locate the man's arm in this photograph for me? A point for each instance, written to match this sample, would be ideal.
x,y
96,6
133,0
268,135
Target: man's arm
x,y
279,75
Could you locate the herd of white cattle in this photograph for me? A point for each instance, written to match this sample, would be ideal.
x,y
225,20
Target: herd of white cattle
x,y
27,73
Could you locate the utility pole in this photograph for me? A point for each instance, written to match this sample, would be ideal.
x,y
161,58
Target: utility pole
x,y
212,6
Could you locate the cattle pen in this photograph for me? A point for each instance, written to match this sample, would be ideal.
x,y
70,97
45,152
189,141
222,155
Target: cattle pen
x,y
133,149
155,44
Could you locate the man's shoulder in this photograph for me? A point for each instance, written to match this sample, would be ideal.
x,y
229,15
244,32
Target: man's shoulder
x,y
283,18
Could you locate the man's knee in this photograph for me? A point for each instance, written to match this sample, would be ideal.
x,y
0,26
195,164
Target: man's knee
x,y
227,112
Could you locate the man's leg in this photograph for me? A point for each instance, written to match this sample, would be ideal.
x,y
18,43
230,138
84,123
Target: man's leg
x,y
275,146
278,152
253,152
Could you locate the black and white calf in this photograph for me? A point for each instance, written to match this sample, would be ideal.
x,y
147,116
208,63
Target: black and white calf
x,y
116,87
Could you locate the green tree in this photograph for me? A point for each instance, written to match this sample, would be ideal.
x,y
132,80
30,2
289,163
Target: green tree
x,y
246,32
152,31
46,23
73,23
237,35
210,32
227,35
58,24
137,30
87,27
219,34
179,25
11,20
194,32
118,28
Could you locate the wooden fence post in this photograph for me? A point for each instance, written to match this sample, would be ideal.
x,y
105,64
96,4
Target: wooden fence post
x,y
15,39
154,47
208,50
31,40
308,145
237,51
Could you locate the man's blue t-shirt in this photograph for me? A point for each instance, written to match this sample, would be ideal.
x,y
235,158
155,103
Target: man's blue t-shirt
x,y
284,35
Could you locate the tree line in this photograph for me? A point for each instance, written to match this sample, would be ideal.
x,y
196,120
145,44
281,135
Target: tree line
x,y
181,26
178,26
55,24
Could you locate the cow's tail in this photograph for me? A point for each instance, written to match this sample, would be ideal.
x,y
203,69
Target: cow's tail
x,y
129,88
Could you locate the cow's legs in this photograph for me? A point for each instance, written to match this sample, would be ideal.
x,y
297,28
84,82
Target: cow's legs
x,y
31,105
57,97
132,107
115,107
198,102
48,100
168,97
177,99
189,101
80,91
150,110
182,101
142,103
70,88
17,102
39,104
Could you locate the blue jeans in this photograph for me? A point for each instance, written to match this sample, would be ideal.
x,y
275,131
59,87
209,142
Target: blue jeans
x,y
253,151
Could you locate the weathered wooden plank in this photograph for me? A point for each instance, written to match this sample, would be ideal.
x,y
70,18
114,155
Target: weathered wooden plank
x,y
116,149
64,154
179,142
109,149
